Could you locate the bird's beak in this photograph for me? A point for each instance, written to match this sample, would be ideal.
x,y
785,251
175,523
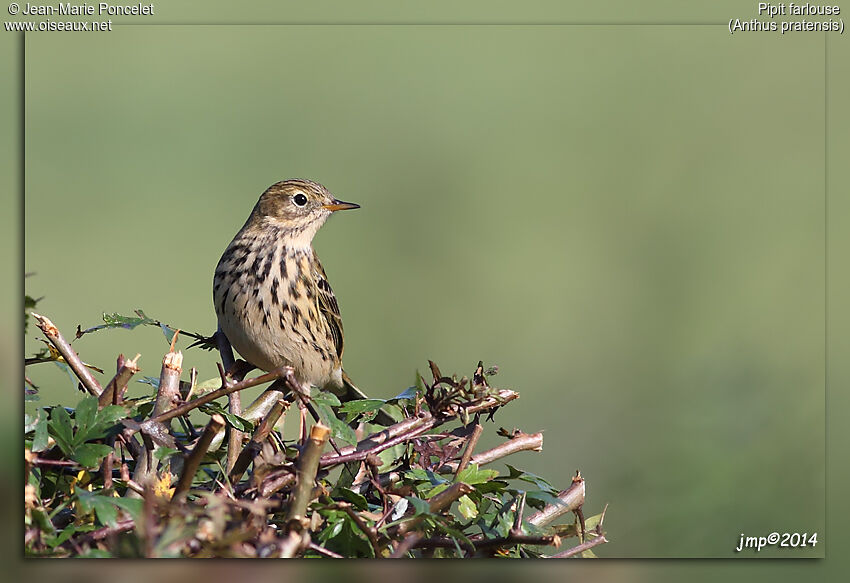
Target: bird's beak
x,y
338,205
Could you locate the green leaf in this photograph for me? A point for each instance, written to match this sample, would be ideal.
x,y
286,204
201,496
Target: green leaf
x,y
491,487
60,428
39,441
93,424
118,321
429,492
420,506
423,475
472,475
456,535
89,455
357,499
162,453
105,420
105,511
339,429
84,416
544,497
66,533
325,398
154,381
64,367
169,333
351,542
203,387
42,521
133,506
409,394
29,422
504,523
516,474
389,456
234,421
592,522
467,507
359,406
335,520
346,477
29,304
101,505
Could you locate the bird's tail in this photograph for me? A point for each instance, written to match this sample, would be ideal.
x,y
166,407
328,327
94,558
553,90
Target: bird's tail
x,y
351,393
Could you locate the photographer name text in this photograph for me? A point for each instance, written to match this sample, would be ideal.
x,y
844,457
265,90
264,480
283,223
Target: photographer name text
x,y
99,9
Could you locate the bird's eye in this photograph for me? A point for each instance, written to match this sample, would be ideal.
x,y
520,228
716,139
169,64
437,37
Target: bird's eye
x,y
299,199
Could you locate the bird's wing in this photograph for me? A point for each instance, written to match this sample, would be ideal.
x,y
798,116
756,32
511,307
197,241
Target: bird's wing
x,y
327,304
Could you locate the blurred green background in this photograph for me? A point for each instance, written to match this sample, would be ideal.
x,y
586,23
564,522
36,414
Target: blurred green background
x,y
629,221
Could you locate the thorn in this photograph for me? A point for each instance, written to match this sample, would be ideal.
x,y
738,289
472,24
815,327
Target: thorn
x,y
174,339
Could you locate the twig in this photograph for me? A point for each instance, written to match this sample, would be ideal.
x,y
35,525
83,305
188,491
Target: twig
x,y
447,497
370,532
106,466
493,543
255,444
169,382
520,510
167,395
294,543
408,429
405,545
356,456
521,442
107,531
111,395
194,460
470,446
580,548
37,461
234,440
275,482
436,503
225,390
308,465
384,435
71,358
572,498
323,551
225,350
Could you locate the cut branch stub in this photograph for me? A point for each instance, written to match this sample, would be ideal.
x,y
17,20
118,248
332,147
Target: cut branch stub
x,y
71,357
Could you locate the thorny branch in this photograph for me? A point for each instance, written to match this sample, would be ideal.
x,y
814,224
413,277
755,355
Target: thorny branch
x,y
193,462
114,390
288,503
55,337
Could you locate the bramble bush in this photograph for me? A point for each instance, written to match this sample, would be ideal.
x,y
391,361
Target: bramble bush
x,y
139,477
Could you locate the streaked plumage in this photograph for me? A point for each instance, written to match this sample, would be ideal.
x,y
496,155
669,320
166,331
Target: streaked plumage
x,y
271,294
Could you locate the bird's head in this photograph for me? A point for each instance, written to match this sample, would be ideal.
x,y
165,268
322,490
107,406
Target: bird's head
x,y
298,208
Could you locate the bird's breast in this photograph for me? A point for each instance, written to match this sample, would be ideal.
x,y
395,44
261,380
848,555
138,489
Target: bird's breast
x,y
265,300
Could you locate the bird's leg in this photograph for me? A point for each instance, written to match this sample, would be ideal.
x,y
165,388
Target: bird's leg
x,y
237,369
302,432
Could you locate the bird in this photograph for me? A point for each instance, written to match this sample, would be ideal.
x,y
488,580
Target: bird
x,y
272,298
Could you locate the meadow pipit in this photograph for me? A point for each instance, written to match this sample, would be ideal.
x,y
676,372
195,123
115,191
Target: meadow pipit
x,y
271,294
